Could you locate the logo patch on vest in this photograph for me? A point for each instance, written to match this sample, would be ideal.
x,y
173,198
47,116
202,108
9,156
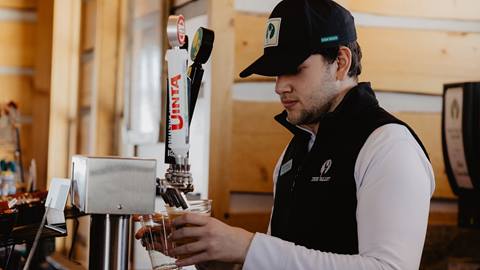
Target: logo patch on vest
x,y
323,172
286,167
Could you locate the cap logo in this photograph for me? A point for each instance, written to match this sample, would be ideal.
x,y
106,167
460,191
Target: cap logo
x,y
328,39
272,32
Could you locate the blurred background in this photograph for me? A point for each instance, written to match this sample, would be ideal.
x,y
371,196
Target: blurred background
x,y
87,77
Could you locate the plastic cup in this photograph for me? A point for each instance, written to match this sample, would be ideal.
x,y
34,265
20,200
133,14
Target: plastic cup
x,y
202,207
157,227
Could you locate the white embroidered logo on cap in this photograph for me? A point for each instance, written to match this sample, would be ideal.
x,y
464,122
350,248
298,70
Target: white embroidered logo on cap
x,y
272,32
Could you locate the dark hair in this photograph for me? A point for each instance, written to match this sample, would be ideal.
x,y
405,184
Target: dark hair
x,y
331,54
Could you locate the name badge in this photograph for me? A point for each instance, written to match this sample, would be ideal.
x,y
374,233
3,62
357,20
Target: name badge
x,y
286,167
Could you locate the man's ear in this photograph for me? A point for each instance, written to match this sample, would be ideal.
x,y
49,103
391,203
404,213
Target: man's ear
x,y
344,61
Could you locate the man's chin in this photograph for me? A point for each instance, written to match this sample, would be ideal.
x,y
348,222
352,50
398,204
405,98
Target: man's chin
x,y
293,120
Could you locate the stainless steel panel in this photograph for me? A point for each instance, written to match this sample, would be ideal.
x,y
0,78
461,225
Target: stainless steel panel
x,y
118,186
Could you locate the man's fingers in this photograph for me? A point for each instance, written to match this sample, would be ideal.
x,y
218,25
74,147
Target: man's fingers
x,y
186,232
190,248
155,217
139,234
156,230
190,218
201,257
138,217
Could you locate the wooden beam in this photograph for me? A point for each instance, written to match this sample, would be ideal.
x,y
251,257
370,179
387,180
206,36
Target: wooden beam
x,y
221,20
41,94
64,88
39,138
84,138
123,39
43,46
89,16
106,53
86,81
17,44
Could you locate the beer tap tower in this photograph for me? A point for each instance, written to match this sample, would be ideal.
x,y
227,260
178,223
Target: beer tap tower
x,y
183,88
111,189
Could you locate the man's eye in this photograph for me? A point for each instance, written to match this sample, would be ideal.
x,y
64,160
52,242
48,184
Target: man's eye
x,y
296,71
299,69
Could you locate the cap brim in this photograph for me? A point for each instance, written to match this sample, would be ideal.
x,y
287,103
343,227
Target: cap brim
x,y
268,65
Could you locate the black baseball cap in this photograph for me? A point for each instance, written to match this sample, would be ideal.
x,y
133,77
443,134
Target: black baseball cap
x,y
297,29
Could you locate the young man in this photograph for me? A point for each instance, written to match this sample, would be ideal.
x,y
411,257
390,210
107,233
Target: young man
x,y
352,189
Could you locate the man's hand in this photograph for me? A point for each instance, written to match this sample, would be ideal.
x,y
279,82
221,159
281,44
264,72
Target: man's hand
x,y
152,236
215,241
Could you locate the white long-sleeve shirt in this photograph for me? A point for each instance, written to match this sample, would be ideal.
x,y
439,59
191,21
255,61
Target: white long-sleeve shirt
x,y
394,182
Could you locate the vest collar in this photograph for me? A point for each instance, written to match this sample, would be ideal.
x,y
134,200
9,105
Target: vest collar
x,y
355,101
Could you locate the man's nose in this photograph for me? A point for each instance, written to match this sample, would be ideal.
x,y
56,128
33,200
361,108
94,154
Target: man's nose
x,y
282,85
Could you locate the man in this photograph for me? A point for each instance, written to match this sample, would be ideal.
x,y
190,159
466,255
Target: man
x,y
352,189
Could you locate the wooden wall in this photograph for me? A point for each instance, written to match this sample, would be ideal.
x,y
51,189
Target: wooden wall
x,y
411,48
17,49
25,61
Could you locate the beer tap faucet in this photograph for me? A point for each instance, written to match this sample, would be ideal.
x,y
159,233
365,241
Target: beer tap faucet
x,y
183,88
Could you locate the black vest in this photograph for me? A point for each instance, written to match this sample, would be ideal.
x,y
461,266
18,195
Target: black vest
x,y
315,197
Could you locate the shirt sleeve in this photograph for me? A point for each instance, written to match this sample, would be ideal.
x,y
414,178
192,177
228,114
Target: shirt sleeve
x,y
394,185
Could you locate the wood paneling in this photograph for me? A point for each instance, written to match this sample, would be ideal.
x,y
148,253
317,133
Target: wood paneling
x,y
428,128
106,48
442,218
257,142
17,41
19,89
220,16
23,98
418,61
64,88
89,14
393,59
22,4
253,222
249,32
444,9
